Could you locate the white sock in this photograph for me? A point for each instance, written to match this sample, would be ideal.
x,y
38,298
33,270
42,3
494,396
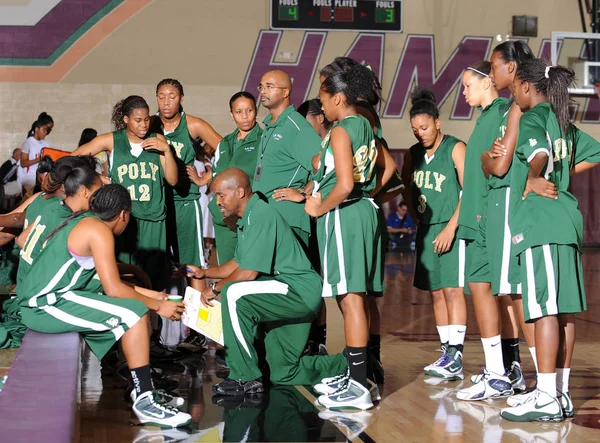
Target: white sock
x,y
456,334
547,383
534,356
493,354
562,379
443,333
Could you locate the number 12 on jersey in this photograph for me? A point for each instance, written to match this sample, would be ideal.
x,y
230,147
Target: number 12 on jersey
x,y
143,190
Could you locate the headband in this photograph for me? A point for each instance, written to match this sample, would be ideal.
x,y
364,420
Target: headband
x,y
547,71
478,72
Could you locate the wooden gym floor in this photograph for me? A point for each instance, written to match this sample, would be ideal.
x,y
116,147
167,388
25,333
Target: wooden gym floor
x,y
414,408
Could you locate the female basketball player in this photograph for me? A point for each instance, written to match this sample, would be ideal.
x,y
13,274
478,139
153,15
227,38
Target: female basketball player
x,y
434,168
141,162
31,151
491,251
237,150
77,288
547,232
389,185
181,131
348,227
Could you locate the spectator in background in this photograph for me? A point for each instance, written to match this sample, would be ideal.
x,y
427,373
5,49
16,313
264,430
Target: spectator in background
x,y
10,189
31,152
87,135
401,229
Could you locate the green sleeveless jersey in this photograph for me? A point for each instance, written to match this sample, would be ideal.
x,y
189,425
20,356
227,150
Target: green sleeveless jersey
x,y
395,181
56,271
142,176
475,184
234,153
37,206
185,154
538,220
504,181
435,186
50,215
364,154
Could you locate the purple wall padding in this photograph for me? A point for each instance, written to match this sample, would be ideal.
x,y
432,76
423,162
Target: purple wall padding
x,y
39,400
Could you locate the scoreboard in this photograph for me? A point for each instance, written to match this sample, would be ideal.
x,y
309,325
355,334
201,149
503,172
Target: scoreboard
x,y
337,15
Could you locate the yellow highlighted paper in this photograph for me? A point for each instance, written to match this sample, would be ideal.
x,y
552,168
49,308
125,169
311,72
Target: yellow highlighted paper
x,y
206,320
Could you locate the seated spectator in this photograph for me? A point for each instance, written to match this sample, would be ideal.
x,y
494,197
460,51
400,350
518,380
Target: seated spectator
x,y
270,283
10,189
401,229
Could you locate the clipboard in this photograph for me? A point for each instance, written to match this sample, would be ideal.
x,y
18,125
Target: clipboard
x,y
206,320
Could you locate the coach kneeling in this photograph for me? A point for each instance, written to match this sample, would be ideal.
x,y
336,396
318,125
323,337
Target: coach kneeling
x,y
270,281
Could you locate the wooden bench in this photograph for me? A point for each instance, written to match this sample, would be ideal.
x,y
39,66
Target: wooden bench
x,y
39,402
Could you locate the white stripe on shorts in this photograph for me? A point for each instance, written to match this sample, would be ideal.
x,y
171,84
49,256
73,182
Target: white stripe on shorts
x,y
75,321
551,304
327,291
129,317
535,311
199,238
461,263
505,287
342,286
239,290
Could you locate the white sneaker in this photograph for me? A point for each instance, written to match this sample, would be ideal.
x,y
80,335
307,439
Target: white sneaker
x,y
149,435
440,361
541,408
352,395
516,377
169,400
567,404
519,399
151,411
354,423
331,384
488,385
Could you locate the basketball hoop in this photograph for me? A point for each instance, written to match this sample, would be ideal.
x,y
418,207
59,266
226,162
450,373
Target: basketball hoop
x,y
597,88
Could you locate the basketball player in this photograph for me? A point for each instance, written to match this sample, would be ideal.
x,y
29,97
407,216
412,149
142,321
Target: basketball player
x,y
73,270
141,162
434,168
547,232
492,251
181,130
348,229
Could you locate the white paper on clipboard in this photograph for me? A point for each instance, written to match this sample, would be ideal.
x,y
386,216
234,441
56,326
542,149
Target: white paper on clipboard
x,y
206,320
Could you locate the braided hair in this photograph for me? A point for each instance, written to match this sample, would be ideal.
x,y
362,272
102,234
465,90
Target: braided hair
x,y
553,82
171,82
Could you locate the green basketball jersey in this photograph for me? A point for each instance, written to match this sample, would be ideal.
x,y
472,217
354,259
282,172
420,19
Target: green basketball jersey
x,y
395,182
142,176
538,220
435,186
57,270
36,207
185,154
364,152
495,182
475,189
50,215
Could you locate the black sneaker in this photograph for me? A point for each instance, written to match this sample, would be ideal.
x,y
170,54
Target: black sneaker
x,y
194,343
378,373
237,387
158,351
238,402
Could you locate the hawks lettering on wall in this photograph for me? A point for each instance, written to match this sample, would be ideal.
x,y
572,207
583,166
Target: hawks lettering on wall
x,y
416,66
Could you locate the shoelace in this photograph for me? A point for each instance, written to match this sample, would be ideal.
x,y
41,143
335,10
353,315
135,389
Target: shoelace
x,y
159,403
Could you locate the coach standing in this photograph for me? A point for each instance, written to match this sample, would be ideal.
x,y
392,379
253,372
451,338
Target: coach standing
x,y
286,149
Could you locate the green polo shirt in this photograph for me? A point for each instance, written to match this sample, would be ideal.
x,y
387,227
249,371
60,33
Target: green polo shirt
x,y
284,161
267,245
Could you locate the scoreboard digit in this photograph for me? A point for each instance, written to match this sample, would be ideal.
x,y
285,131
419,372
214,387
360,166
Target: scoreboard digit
x,y
337,15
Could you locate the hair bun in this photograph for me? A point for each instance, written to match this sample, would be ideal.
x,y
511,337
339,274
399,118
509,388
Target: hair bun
x,y
420,94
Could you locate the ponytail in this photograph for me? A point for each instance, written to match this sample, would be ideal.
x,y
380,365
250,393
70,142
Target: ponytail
x,y
124,108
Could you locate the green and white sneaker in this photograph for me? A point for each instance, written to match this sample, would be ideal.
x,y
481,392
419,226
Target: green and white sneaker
x,y
352,395
150,410
164,397
541,408
451,368
519,399
566,404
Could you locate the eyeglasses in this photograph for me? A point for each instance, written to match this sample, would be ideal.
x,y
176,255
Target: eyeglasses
x,y
269,86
